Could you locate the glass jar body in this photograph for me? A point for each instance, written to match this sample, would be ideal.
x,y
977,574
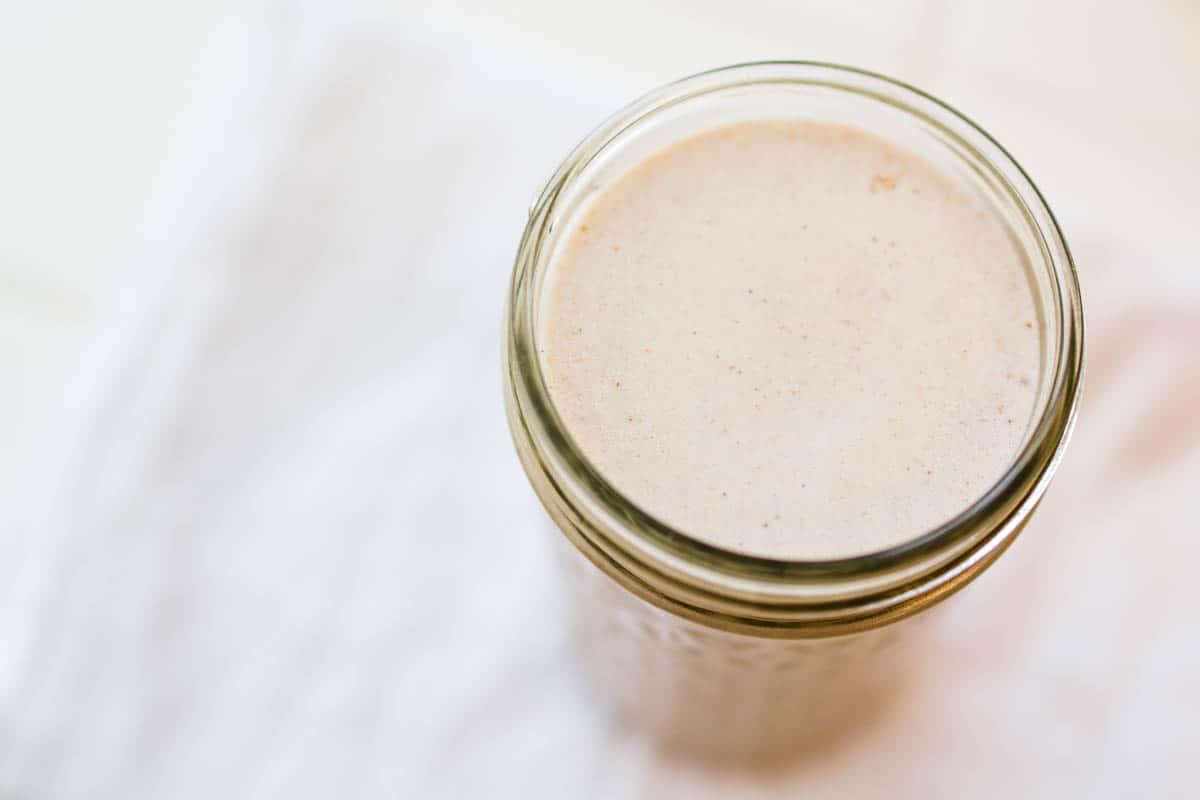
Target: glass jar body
x,y
723,694
735,654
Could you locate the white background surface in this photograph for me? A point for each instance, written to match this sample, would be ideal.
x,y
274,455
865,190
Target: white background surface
x,y
261,530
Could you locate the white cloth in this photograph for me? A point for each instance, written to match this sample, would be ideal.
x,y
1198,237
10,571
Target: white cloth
x,y
285,549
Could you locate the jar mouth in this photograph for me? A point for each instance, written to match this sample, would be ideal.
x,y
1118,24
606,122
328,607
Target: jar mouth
x,y
675,569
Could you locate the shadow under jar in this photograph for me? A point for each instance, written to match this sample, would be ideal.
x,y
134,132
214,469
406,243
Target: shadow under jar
x,y
741,650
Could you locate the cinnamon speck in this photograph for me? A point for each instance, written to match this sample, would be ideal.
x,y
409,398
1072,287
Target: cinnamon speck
x,y
928,472
884,183
1029,325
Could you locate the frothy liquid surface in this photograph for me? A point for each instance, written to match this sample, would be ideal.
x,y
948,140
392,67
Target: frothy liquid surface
x,y
792,339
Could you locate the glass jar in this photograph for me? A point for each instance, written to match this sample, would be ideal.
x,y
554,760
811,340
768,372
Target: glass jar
x,y
738,654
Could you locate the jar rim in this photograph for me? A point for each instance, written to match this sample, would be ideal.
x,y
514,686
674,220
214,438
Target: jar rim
x,y
747,591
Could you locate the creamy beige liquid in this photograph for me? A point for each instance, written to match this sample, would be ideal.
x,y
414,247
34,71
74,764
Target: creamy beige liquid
x,y
793,339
